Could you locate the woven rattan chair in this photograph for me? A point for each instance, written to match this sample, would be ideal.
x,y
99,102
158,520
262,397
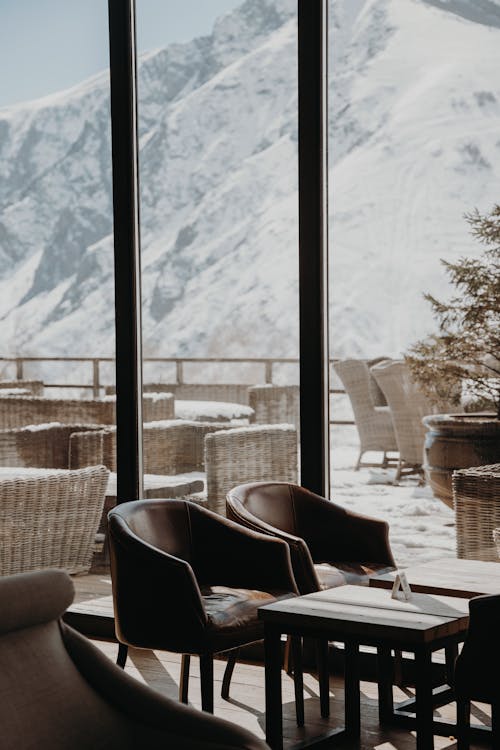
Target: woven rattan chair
x,y
408,406
170,446
476,494
374,423
248,454
35,387
49,518
22,411
275,404
43,446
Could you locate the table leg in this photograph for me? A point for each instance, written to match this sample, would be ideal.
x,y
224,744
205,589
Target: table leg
x,y
351,683
274,709
385,682
298,678
323,677
423,695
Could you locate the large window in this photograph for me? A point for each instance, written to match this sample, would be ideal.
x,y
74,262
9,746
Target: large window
x,y
414,146
57,319
218,175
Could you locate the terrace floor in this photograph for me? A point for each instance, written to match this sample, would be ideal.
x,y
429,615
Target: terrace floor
x,y
161,671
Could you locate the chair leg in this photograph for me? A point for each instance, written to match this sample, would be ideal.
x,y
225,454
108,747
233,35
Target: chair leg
x,y
298,678
358,464
385,461
399,472
232,658
121,659
207,682
184,681
463,724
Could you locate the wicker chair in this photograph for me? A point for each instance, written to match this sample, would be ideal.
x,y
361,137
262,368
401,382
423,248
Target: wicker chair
x,y
248,454
21,411
43,446
275,404
477,511
408,406
374,423
35,387
49,518
170,446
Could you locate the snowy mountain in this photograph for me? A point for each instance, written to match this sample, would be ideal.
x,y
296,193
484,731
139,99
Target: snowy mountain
x,y
414,144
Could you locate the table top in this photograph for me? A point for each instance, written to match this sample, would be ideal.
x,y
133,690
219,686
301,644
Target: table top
x,y
370,614
449,576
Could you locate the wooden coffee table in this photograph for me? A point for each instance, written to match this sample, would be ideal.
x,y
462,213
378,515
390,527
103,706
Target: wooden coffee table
x,y
449,576
357,615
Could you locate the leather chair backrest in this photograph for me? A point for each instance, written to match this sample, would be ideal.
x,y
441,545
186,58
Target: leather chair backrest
x,y
272,503
163,525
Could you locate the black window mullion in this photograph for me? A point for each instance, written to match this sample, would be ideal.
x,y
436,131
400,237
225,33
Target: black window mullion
x,y
313,244
123,74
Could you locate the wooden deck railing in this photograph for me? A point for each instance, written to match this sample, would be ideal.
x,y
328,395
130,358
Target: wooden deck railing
x,y
96,385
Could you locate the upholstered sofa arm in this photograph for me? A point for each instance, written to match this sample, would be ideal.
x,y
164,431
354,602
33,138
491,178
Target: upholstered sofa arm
x,y
158,721
157,598
231,555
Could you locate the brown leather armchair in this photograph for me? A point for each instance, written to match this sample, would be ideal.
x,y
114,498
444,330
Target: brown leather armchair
x,y
329,545
477,668
190,581
60,692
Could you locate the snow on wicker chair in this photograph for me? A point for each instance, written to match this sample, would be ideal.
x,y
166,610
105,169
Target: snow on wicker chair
x,y
408,406
374,423
248,454
49,518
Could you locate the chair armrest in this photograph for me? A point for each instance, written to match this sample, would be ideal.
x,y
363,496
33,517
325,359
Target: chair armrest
x,y
170,723
230,555
334,534
156,596
302,563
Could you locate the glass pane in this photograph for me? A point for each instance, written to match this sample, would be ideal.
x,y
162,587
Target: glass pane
x,y
414,121
218,168
56,288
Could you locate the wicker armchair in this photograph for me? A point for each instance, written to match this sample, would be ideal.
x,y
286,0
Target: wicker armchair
x,y
374,423
170,446
35,387
248,454
275,404
49,518
43,446
408,406
26,410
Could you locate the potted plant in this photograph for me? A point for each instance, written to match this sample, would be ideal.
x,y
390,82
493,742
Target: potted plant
x,y
462,361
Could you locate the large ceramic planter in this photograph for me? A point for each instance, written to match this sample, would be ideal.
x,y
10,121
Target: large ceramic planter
x,y
458,441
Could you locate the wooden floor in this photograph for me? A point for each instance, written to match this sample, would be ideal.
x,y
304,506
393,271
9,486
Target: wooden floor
x,y
161,671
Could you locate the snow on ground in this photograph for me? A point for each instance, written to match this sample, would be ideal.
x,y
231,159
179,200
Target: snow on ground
x,y
421,527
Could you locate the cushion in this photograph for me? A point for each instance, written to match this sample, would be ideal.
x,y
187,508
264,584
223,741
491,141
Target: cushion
x,y
331,575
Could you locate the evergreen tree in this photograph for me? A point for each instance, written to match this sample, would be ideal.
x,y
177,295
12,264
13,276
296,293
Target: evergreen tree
x,y
467,345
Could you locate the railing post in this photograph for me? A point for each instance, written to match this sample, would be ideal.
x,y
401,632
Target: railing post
x,y
19,369
95,378
269,371
179,371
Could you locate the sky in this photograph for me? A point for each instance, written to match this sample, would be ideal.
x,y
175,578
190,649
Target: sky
x,y
49,45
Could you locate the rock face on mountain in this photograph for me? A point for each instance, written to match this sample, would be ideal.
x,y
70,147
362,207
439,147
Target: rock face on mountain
x,y
415,108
